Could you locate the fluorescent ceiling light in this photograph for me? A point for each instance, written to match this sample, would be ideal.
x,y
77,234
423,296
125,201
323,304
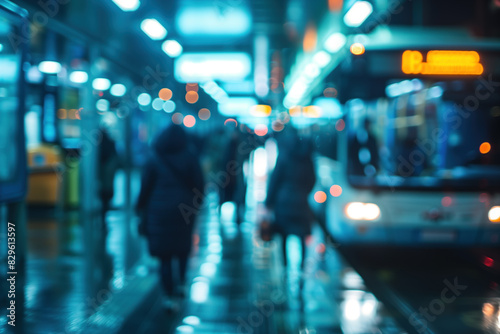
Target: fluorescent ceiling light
x,y
287,103
220,96
118,90
101,84
239,87
210,87
334,42
261,70
172,48
358,13
261,110
295,93
237,106
128,5
322,59
49,67
153,29
217,93
201,67
330,107
210,20
79,77
312,71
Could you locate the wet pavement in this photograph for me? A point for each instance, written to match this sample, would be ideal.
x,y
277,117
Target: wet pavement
x,y
238,285
435,290
81,280
70,271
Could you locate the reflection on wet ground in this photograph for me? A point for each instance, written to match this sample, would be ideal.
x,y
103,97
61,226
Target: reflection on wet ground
x,y
238,285
73,266
237,282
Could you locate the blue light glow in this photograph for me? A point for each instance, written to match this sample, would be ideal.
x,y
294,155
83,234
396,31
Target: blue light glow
x,y
358,13
204,20
202,67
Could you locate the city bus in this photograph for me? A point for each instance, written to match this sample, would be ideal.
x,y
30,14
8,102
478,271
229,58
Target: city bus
x,y
417,152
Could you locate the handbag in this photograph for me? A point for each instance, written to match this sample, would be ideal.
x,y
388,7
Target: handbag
x,y
266,230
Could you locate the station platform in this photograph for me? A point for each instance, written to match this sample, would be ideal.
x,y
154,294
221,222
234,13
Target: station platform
x,y
103,281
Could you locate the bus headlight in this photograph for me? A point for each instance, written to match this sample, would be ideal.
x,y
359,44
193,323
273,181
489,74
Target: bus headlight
x,y
494,214
362,211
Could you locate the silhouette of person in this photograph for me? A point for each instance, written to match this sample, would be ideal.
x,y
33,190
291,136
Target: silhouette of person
x,y
172,179
235,189
291,182
108,165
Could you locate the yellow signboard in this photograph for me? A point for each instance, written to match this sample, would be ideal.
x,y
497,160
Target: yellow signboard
x,y
442,62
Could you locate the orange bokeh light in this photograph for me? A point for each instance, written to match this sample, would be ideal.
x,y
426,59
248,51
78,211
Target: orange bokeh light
x,y
335,5
62,114
204,114
357,49
310,38
261,130
340,125
330,92
295,111
485,148
320,197
165,94
488,309
261,110
441,62
72,113
231,121
278,126
336,190
189,121
320,248
192,87
192,97
312,111
446,201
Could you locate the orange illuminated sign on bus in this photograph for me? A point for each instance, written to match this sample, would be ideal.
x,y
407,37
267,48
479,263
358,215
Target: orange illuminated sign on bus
x,y
442,62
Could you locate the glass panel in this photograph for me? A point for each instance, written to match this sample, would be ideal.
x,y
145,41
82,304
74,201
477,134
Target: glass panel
x,y
425,135
9,74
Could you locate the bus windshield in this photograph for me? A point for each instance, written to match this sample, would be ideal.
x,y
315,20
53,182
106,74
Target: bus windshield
x,y
425,135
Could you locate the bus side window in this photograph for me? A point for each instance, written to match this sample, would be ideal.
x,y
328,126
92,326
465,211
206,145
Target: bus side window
x,y
326,144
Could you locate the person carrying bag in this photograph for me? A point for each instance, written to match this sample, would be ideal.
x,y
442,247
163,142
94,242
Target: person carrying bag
x,y
171,180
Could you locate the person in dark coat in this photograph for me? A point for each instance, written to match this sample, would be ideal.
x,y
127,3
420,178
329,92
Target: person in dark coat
x,y
108,166
171,196
237,152
291,182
